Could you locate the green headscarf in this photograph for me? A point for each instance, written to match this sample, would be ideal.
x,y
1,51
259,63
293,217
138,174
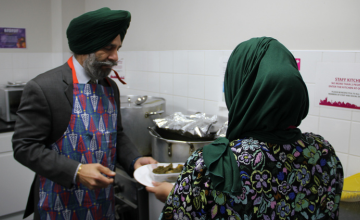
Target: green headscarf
x,y
266,98
95,29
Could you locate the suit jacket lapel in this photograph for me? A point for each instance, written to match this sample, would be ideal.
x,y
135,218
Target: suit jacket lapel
x,y
68,83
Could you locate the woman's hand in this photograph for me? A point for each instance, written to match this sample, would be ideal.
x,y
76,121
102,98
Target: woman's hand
x,y
161,190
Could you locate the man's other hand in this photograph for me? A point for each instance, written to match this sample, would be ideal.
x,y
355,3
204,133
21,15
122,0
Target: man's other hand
x,y
143,161
91,176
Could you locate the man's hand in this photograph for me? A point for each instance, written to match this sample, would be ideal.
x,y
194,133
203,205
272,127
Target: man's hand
x,y
91,176
143,161
161,190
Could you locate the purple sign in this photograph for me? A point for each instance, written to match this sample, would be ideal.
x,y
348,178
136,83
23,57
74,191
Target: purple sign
x,y
12,38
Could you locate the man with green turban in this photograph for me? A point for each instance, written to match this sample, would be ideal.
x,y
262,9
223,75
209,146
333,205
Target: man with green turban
x,y
68,129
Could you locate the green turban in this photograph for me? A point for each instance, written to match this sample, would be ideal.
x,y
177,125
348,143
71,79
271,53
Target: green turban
x,y
95,29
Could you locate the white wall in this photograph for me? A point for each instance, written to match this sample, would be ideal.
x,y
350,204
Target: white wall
x,y
33,15
221,25
45,23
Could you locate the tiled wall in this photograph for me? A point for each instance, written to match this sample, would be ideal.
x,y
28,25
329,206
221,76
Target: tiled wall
x,y
25,66
191,81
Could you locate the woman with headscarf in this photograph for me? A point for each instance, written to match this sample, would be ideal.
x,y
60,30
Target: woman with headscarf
x,y
265,168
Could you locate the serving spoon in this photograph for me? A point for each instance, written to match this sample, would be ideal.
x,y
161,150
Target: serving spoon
x,y
141,100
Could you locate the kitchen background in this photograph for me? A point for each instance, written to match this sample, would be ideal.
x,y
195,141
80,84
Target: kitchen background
x,y
177,50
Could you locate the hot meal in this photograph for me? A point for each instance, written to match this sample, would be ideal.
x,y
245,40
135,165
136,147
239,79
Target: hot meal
x,y
168,169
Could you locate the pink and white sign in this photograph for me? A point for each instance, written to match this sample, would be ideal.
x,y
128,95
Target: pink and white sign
x,y
298,62
338,85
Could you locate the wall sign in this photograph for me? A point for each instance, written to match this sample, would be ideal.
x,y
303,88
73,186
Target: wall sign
x,y
12,38
338,85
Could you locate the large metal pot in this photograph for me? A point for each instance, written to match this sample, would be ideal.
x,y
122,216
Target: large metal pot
x,y
172,151
136,119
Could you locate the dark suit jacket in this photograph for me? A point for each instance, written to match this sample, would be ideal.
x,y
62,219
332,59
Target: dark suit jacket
x,y
43,116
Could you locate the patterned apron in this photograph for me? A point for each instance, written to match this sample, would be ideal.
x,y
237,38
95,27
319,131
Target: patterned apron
x,y
90,138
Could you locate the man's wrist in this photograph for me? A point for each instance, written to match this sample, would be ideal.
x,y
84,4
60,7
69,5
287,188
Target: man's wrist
x,y
132,166
76,176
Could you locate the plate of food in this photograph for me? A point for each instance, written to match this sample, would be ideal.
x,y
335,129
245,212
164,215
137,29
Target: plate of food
x,y
160,172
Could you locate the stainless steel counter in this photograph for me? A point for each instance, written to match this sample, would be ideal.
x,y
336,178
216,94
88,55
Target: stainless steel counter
x,y
349,210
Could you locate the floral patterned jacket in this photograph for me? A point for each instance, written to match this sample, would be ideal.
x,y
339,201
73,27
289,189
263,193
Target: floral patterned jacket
x,y
301,180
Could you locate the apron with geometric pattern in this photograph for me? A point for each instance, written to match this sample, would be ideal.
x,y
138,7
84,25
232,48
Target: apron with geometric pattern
x,y
90,138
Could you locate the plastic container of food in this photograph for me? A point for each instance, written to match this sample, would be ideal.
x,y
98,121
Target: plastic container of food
x,y
167,177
